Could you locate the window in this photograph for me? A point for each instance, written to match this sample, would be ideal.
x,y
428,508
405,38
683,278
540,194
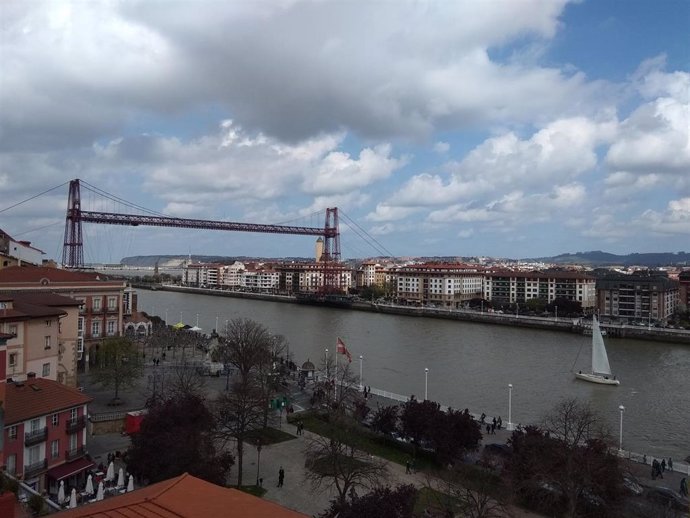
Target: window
x,y
35,425
12,360
96,304
49,323
11,463
73,414
96,329
13,329
56,419
46,343
34,454
12,433
73,441
46,369
111,327
55,449
112,303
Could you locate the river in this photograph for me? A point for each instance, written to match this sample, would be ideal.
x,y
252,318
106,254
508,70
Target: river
x,y
470,364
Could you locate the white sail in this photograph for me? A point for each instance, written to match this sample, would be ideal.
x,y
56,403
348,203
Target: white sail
x,y
600,361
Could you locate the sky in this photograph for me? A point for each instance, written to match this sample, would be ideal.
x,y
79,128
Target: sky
x,y
504,128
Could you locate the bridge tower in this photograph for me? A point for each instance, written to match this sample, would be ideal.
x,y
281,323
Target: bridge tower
x,y
73,246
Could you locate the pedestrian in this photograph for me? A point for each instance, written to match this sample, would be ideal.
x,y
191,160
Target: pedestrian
x,y
663,465
499,423
483,416
670,465
683,487
644,459
488,429
281,476
493,428
407,467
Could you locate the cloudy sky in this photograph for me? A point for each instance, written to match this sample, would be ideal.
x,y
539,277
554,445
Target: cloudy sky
x,y
514,128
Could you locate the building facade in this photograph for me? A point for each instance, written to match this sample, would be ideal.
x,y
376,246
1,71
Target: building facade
x,y
18,253
510,287
45,433
642,297
100,299
448,285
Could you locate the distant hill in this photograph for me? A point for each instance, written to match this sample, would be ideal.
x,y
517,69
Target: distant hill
x,y
599,258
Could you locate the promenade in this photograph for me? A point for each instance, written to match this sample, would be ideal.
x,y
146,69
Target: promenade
x,y
296,492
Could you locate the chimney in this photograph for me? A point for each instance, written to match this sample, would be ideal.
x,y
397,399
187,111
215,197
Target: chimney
x,y
31,375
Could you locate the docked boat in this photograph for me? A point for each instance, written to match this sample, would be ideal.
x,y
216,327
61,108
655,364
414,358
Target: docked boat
x,y
601,370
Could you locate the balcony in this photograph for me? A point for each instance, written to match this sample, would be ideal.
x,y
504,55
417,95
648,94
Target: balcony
x,y
77,453
75,425
34,469
35,437
113,309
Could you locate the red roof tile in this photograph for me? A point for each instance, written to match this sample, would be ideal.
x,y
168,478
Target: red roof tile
x,y
183,497
29,274
39,396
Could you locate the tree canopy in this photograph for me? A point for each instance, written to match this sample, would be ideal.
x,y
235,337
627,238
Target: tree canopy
x,y
382,502
176,436
119,364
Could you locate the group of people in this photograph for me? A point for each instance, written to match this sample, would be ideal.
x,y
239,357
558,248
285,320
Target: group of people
x,y
495,424
300,427
366,391
156,360
658,468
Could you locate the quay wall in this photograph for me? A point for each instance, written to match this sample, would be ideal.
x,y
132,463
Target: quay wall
x,y
562,324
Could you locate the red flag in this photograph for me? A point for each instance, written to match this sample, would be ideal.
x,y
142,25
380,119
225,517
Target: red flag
x,y
340,347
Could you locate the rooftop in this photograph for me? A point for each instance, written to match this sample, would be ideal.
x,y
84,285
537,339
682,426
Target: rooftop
x,y
22,275
38,396
183,497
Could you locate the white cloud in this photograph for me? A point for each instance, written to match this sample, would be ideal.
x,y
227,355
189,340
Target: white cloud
x,y
674,220
441,147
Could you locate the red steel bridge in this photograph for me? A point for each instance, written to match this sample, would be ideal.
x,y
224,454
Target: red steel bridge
x,y
73,250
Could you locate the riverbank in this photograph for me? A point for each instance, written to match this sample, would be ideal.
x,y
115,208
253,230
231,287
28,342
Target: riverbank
x,y
567,325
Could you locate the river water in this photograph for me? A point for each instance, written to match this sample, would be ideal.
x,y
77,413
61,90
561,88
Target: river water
x,y
470,364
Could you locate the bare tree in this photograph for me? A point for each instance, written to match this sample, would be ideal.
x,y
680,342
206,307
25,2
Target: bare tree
x,y
238,413
246,344
334,460
566,463
459,494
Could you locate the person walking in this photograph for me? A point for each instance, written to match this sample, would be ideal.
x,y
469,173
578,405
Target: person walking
x,y
281,476
663,465
683,487
407,467
670,464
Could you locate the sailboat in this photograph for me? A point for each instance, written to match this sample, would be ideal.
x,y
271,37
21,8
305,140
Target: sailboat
x,y
601,370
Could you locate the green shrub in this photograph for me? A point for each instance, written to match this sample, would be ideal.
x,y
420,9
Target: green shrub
x,y
36,504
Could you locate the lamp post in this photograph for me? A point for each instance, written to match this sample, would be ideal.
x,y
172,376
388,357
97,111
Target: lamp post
x,y
197,320
556,313
166,317
426,383
258,460
361,379
510,407
620,432
328,370
217,324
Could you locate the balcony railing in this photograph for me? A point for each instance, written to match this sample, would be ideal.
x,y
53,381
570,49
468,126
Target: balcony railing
x,y
34,469
74,454
113,309
35,437
75,425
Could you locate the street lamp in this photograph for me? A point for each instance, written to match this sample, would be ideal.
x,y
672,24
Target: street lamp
x,y
510,407
166,317
328,370
620,434
426,383
258,460
361,379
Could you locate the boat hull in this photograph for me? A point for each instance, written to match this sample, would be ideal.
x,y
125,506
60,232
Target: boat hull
x,y
596,378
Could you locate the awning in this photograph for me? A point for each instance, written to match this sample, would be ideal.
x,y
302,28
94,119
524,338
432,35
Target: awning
x,y
70,468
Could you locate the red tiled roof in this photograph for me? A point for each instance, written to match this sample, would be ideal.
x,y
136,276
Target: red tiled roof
x,y
183,497
44,299
29,274
39,396
22,310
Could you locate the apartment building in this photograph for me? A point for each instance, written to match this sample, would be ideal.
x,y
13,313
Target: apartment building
x,y
44,433
18,253
204,275
43,330
310,277
639,296
260,278
509,287
442,284
101,301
